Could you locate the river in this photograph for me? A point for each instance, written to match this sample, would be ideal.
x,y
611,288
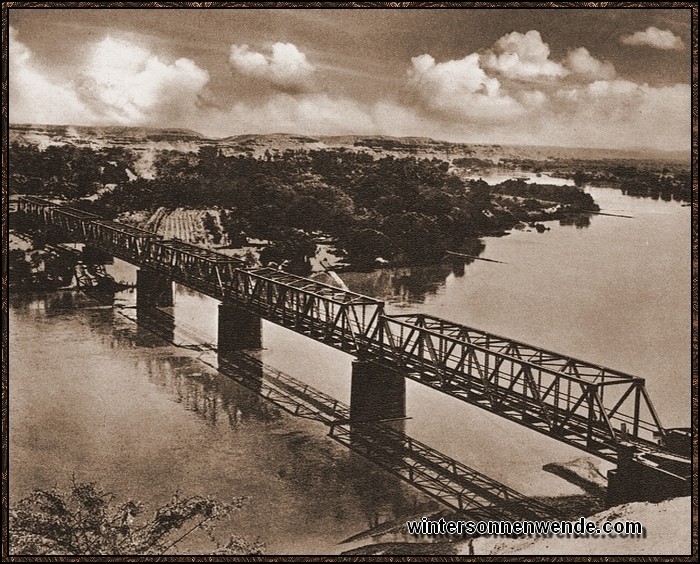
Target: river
x,y
95,396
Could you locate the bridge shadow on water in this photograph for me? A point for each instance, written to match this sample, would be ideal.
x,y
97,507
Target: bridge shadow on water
x,y
239,392
213,392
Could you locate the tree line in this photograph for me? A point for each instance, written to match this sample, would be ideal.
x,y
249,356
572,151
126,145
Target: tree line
x,y
407,210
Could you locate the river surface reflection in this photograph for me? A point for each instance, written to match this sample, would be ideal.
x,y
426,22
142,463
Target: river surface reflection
x,y
94,394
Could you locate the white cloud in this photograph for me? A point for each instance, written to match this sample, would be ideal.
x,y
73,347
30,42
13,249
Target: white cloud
x,y
128,84
654,37
522,57
121,83
34,97
312,114
582,63
579,101
460,87
625,114
285,66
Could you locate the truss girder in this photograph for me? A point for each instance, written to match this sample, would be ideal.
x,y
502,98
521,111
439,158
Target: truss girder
x,y
592,411
577,402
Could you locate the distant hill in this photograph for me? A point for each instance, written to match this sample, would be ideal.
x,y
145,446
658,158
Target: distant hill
x,y
269,138
145,138
108,131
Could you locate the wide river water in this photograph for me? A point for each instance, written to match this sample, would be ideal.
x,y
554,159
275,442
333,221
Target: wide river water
x,y
93,395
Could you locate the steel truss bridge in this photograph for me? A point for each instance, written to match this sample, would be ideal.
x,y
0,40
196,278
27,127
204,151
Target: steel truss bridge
x,y
578,403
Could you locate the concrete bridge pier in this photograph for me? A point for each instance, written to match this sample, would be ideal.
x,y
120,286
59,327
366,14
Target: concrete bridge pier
x,y
376,393
153,289
635,479
238,329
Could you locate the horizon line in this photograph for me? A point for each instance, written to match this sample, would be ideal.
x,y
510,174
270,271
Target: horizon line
x,y
638,149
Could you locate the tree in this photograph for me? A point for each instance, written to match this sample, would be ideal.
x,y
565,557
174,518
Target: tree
x,y
292,252
415,236
88,521
364,245
211,226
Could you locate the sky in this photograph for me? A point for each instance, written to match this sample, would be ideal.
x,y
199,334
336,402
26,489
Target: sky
x,y
609,78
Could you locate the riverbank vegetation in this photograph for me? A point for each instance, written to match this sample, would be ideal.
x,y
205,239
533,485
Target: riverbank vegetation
x,y
665,180
67,171
667,183
405,210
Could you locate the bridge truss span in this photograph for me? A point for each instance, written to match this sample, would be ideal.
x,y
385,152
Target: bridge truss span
x,y
207,271
122,241
580,403
337,317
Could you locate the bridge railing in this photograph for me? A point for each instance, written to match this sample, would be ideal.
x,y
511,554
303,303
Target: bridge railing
x,y
69,220
123,241
35,207
584,404
74,221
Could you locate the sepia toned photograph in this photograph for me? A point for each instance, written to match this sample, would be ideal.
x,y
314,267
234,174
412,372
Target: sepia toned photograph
x,y
352,282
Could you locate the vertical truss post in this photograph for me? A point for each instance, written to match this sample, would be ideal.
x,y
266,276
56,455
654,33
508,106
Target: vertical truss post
x,y
637,400
590,393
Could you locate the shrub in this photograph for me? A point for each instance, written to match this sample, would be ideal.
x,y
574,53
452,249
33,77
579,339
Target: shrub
x,y
86,520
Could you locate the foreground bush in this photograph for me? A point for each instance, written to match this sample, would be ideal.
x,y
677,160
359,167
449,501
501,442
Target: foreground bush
x,y
86,520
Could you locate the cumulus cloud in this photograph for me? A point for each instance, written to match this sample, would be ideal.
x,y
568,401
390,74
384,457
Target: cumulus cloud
x,y
522,57
624,113
582,63
460,87
120,83
515,93
654,37
129,84
285,66
34,96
